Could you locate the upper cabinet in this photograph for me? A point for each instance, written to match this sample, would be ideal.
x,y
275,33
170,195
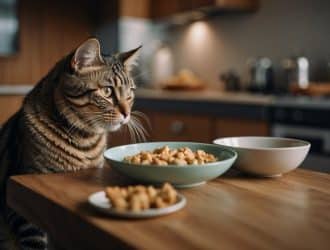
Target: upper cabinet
x,y
170,8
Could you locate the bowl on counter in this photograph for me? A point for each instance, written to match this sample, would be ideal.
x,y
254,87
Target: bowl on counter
x,y
179,176
266,156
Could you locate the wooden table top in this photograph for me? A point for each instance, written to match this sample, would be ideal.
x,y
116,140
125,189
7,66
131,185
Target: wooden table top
x,y
232,212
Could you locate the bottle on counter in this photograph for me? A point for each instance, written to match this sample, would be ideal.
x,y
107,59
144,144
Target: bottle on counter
x,y
296,71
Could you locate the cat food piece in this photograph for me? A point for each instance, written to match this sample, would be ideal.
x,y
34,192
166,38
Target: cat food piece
x,y
139,198
120,203
165,156
179,162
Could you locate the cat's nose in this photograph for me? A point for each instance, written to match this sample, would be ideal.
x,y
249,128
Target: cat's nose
x,y
124,109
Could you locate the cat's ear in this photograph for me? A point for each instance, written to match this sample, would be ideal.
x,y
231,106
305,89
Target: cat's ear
x,y
129,58
87,56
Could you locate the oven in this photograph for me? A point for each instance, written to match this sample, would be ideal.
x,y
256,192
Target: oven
x,y
308,124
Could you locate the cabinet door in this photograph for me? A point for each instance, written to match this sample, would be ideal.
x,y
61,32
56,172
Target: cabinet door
x,y
181,127
166,8
8,106
227,127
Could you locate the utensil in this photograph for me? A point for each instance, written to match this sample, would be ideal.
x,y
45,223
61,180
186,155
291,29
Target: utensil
x,y
266,156
179,176
102,203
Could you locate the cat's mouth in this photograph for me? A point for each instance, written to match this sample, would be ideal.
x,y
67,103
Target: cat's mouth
x,y
116,126
113,127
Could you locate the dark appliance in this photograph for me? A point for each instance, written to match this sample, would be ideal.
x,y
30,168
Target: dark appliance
x,y
261,75
307,119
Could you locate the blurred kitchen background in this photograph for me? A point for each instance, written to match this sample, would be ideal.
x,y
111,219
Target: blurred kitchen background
x,y
208,68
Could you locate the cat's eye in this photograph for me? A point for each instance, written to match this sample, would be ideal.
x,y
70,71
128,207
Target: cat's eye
x,y
106,91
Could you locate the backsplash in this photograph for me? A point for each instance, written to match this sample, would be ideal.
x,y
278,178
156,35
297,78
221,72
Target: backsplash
x,y
278,30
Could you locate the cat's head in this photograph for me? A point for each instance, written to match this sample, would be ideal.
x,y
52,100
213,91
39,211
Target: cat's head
x,y
100,88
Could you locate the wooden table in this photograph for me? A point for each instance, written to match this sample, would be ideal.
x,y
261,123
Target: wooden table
x,y
231,212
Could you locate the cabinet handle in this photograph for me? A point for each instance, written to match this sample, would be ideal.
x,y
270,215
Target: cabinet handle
x,y
177,127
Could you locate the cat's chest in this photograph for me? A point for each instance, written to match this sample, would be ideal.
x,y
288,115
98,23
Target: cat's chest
x,y
91,155
65,155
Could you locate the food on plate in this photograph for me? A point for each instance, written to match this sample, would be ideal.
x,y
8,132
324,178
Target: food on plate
x,y
165,156
184,80
139,198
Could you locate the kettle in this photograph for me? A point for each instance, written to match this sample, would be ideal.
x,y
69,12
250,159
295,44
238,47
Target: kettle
x,y
261,75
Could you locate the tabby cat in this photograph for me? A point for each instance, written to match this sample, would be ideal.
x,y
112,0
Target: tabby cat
x,y
62,126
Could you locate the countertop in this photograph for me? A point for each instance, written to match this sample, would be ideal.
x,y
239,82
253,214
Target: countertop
x,y
14,89
203,95
206,96
234,211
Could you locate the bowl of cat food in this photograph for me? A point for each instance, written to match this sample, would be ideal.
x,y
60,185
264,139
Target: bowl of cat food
x,y
266,156
183,164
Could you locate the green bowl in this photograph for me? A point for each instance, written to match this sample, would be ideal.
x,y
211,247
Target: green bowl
x,y
179,176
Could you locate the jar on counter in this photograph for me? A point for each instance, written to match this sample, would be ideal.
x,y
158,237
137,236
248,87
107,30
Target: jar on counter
x,y
296,71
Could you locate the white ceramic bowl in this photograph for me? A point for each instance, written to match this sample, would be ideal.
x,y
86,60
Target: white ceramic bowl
x,y
266,156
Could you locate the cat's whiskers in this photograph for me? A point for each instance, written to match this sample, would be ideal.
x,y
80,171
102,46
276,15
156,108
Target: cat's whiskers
x,y
135,128
140,130
143,116
131,132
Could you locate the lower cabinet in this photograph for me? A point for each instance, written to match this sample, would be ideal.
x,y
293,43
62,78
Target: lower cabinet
x,y
166,126
228,127
181,127
184,127
8,106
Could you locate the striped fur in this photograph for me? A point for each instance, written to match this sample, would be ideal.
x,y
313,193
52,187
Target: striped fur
x,y
62,126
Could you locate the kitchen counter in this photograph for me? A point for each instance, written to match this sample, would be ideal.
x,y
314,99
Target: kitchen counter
x,y
207,102
7,90
144,93
205,95
210,102
310,110
234,211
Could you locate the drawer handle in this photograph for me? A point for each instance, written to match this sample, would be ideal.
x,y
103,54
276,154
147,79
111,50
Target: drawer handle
x,y
177,127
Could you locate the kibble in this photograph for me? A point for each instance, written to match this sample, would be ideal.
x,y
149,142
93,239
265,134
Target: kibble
x,y
139,198
165,156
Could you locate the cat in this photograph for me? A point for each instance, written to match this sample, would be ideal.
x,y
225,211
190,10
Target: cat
x,y
62,126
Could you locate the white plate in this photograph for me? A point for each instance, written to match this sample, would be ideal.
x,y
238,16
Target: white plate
x,y
101,202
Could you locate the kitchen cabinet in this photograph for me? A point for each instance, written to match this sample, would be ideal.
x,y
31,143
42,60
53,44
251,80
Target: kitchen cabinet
x,y
48,30
167,8
228,127
171,126
181,127
9,105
